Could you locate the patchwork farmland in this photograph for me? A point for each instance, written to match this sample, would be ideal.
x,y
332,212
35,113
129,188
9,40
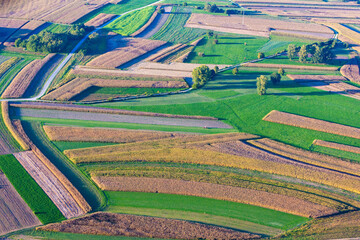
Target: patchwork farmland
x,y
178,119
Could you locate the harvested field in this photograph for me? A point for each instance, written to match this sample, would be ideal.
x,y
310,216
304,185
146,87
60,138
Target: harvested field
x,y
286,66
100,20
15,213
121,118
75,87
59,11
306,156
24,31
252,25
312,123
155,144
80,134
127,49
147,24
351,70
333,84
50,184
243,195
9,26
44,162
166,52
79,108
23,79
338,146
112,224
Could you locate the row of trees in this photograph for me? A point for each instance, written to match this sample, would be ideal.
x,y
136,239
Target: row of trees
x,y
49,42
319,52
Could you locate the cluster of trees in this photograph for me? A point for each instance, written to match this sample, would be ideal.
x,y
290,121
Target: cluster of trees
x,y
201,75
215,9
318,52
49,42
262,81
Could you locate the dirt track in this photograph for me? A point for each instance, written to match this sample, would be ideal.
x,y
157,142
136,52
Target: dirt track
x,y
120,118
15,214
50,184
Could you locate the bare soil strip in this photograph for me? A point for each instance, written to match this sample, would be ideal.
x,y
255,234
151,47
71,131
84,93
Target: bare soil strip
x,y
286,66
121,118
15,213
312,123
112,224
209,190
79,85
23,79
79,108
126,50
50,184
81,134
100,19
338,146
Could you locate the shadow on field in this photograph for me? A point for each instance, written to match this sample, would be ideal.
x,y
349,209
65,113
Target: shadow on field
x,y
229,44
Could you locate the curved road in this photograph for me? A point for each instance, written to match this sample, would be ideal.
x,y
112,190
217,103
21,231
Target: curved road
x,y
67,58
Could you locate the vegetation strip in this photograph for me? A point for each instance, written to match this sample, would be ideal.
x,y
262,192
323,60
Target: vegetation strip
x,y
312,123
29,190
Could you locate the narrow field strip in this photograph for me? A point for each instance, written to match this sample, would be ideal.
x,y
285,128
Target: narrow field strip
x,y
79,134
112,224
338,146
50,184
288,66
21,82
23,112
15,213
209,190
40,204
307,156
312,123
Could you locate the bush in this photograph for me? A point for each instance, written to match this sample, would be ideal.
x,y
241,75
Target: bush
x,y
235,71
201,75
216,69
275,78
261,55
215,41
281,71
201,54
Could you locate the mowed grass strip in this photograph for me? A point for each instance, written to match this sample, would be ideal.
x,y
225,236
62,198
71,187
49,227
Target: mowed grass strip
x,y
312,123
131,22
29,190
191,204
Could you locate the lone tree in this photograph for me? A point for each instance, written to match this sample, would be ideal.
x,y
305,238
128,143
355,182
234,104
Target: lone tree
x,y
216,69
291,51
261,55
261,84
201,75
281,71
303,54
275,78
235,71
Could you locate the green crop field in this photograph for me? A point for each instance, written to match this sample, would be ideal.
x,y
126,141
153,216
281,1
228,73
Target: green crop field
x,y
118,9
246,110
277,43
174,30
131,22
63,145
84,123
230,49
135,201
29,190
58,28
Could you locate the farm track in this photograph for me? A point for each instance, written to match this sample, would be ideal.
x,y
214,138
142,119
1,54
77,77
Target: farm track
x,y
155,26
23,112
50,184
15,213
